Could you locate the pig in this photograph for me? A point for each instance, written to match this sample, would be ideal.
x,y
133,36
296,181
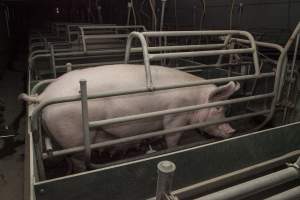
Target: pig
x,y
64,123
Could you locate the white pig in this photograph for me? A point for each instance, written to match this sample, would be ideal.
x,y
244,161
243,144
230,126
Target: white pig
x,y
64,120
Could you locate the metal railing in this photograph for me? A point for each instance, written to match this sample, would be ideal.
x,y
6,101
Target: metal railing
x,y
80,51
209,49
166,171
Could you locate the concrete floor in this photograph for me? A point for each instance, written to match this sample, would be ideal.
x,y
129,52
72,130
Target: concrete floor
x,y
12,166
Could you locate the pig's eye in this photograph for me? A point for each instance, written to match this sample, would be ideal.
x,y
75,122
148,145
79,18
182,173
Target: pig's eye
x,y
220,109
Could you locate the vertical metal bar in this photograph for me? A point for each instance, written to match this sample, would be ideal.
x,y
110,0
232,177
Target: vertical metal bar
x,y
52,60
165,170
83,39
85,122
291,76
162,18
129,13
99,12
226,41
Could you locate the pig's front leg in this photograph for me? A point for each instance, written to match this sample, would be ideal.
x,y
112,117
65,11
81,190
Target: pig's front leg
x,y
173,121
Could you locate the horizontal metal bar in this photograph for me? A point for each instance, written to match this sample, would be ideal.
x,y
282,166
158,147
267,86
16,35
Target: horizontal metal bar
x,y
194,33
179,47
153,134
141,90
213,65
7,136
233,177
261,44
95,124
291,194
107,36
199,53
112,27
255,186
74,66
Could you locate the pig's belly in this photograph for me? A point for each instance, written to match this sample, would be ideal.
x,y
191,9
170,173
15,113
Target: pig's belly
x,y
135,127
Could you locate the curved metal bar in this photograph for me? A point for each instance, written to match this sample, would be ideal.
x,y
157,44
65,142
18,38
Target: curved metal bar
x,y
217,32
140,36
35,89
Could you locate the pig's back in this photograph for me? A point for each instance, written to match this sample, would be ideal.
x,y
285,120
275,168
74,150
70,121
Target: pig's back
x,y
114,78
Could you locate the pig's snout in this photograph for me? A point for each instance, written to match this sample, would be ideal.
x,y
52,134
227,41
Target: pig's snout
x,y
226,130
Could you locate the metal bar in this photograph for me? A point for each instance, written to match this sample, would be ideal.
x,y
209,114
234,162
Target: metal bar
x,y
41,84
199,53
258,43
165,171
283,57
291,74
179,47
212,65
229,179
291,194
154,134
113,27
226,42
149,83
108,36
52,61
141,90
74,66
85,125
195,33
258,185
95,124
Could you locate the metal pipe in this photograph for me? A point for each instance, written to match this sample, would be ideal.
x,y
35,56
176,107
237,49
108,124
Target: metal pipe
x,y
178,47
153,134
85,125
291,194
163,8
149,83
258,185
199,53
162,18
129,5
41,84
141,90
229,179
52,61
95,124
291,74
165,171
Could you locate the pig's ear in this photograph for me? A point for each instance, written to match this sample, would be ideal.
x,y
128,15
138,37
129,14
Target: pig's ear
x,y
223,92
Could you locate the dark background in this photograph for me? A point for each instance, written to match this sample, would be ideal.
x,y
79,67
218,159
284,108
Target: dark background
x,y
274,19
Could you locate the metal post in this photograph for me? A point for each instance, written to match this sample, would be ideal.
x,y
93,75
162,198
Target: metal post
x,y
85,122
69,67
165,170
